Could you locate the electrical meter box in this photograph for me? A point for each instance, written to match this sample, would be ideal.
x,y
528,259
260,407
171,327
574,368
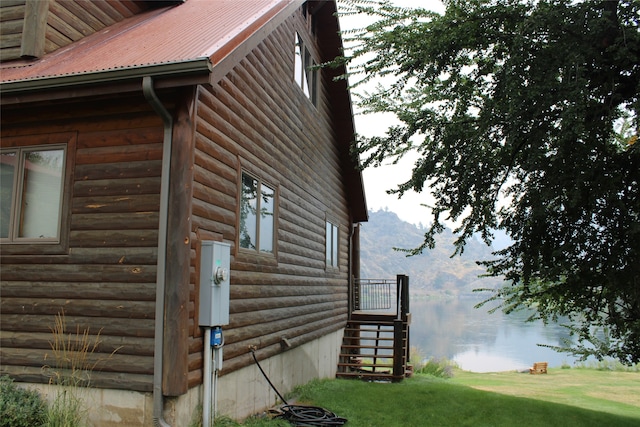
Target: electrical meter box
x,y
214,283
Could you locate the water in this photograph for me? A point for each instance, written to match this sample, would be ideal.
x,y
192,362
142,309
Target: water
x,y
481,342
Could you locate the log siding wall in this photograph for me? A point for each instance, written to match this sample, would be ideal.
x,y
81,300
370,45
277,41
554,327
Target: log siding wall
x,y
12,21
66,21
106,281
257,119
69,21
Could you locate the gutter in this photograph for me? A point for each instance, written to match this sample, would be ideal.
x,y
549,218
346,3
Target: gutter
x,y
154,101
177,69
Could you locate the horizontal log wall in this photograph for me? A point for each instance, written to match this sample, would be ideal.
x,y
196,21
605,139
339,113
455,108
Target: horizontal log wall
x,y
69,21
257,119
11,26
105,281
66,21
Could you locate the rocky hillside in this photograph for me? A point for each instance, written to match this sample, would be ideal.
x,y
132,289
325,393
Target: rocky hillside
x,y
433,272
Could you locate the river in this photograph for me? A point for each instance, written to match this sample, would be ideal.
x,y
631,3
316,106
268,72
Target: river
x,y
481,342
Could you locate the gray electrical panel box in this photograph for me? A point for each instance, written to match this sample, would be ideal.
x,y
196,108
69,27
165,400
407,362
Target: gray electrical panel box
x,y
214,283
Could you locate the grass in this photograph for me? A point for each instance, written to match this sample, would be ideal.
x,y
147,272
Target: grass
x,y
615,393
563,397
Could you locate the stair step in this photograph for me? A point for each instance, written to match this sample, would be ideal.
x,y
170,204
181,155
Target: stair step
x,y
367,338
355,325
373,347
367,356
384,329
370,375
367,365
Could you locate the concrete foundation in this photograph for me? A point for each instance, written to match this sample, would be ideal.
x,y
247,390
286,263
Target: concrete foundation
x,y
246,392
240,394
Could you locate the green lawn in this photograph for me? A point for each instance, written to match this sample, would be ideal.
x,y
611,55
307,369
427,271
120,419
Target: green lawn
x,y
616,393
563,397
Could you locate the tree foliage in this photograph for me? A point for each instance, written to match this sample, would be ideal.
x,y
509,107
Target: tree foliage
x,y
524,115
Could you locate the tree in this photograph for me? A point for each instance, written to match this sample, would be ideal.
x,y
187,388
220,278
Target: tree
x,y
525,118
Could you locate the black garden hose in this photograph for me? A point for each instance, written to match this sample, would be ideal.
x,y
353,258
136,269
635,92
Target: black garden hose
x,y
302,415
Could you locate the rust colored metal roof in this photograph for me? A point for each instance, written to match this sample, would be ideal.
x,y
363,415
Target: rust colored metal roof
x,y
194,30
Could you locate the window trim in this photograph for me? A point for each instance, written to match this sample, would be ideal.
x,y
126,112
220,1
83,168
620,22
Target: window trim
x,y
67,141
274,188
332,243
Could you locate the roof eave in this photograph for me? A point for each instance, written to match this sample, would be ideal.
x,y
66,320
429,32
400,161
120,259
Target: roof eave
x,y
171,74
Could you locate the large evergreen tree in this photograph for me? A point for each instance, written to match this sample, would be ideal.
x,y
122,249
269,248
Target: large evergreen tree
x,y
525,118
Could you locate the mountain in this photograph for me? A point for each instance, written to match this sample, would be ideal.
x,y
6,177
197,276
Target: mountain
x,y
432,273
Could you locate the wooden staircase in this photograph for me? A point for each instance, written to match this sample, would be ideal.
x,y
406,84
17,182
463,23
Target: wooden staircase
x,y
375,346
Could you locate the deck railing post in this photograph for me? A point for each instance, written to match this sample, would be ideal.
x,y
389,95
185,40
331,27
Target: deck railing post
x,y
406,318
399,296
405,297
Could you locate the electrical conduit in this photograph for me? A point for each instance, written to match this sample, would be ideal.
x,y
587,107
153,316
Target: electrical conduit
x,y
206,398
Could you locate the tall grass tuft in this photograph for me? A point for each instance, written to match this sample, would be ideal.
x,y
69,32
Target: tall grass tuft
x,y
73,363
416,358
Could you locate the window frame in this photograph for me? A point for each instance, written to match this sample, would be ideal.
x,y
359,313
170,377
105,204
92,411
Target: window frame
x,y
258,251
45,246
305,72
332,244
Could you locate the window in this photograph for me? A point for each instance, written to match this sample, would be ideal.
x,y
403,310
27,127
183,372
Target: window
x,y
257,207
331,249
31,190
306,73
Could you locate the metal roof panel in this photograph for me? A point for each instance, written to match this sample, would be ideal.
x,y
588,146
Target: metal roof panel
x,y
192,30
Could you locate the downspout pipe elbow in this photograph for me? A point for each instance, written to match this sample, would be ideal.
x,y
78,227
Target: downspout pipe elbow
x,y
151,97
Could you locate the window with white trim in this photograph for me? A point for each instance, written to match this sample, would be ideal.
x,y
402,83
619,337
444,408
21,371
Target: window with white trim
x,y
31,190
331,244
305,71
257,208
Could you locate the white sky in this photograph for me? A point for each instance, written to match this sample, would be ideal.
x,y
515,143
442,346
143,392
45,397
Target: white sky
x,y
378,180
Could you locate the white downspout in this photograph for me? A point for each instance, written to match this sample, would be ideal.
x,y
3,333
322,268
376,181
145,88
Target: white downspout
x,y
152,98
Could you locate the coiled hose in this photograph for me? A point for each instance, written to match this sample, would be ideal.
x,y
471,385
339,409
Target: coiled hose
x,y
302,415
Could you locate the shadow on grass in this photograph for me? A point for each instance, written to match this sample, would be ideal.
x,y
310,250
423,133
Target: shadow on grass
x,y
424,401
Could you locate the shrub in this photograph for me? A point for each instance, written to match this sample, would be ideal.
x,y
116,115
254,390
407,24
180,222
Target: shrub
x,y
441,368
20,407
608,365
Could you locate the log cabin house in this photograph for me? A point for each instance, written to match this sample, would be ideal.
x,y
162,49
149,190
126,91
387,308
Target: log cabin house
x,y
133,131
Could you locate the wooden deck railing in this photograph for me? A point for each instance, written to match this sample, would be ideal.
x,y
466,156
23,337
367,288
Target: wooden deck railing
x,y
373,294
382,295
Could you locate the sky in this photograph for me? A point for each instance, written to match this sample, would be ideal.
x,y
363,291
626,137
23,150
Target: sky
x,y
380,179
